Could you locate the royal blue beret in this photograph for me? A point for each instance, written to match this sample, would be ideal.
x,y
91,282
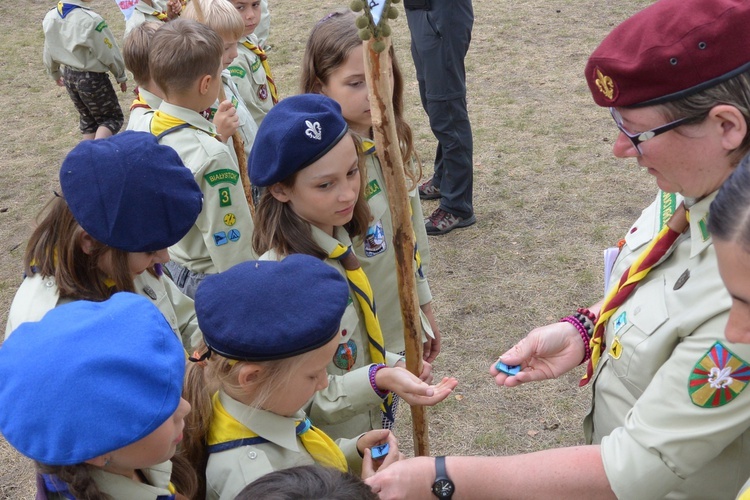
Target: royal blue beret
x,y
88,379
669,50
130,193
265,310
296,132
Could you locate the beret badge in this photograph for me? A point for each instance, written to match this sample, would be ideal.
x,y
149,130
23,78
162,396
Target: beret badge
x,y
313,130
605,84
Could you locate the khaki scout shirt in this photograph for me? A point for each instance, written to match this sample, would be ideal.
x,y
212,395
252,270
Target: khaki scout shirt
x,y
140,118
378,258
228,472
143,13
222,235
82,42
121,487
247,126
250,77
348,406
37,295
656,442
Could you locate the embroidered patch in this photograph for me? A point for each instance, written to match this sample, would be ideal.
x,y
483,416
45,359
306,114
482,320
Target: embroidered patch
x,y
100,27
349,300
615,350
255,65
235,102
230,219
233,235
717,378
667,206
313,130
222,175
606,85
263,92
620,321
220,238
237,71
107,42
225,197
372,189
704,228
346,355
375,240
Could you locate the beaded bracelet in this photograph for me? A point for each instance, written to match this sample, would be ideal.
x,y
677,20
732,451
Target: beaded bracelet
x,y
586,322
584,335
373,371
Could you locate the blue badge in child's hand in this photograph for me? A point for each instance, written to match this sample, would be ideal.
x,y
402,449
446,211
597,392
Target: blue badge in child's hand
x,y
380,451
507,369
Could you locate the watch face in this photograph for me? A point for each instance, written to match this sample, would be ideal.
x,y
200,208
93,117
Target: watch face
x,y
443,488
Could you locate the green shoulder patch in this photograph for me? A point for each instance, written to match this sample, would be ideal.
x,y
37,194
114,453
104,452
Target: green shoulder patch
x,y
372,189
237,71
221,176
100,27
718,377
254,67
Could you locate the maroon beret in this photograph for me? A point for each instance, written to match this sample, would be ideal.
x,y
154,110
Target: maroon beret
x,y
670,50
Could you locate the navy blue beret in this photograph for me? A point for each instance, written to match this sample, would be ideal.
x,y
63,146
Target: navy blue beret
x,y
130,193
88,379
296,132
264,310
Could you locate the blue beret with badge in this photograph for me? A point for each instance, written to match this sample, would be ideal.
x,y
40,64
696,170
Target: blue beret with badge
x,y
266,310
130,193
297,131
88,379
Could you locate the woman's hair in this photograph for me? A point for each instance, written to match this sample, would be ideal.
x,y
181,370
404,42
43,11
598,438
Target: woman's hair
x,y
55,249
329,45
734,92
307,482
82,486
204,378
279,228
729,215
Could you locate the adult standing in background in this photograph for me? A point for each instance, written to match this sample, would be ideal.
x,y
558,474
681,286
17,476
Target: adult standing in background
x,y
440,37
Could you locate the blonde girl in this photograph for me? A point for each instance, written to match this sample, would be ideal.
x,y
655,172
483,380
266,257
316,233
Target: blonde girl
x,y
333,65
310,165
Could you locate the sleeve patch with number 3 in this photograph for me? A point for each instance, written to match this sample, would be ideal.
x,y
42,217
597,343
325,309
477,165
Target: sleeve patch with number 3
x,y
225,197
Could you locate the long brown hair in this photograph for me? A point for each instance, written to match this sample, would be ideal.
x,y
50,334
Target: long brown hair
x,y
329,45
279,228
55,249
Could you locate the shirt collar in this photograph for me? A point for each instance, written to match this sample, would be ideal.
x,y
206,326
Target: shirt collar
x,y
189,116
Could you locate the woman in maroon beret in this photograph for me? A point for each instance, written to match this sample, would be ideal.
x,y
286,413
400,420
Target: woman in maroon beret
x,y
669,411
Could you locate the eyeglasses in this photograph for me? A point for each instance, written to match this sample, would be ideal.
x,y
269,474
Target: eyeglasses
x,y
637,139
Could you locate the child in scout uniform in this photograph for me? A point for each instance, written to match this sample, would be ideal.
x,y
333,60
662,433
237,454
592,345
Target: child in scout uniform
x,y
334,65
109,230
185,62
670,402
152,11
267,357
91,393
250,70
135,50
223,18
310,165
79,51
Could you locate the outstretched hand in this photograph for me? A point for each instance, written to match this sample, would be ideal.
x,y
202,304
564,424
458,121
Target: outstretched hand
x,y
545,353
411,389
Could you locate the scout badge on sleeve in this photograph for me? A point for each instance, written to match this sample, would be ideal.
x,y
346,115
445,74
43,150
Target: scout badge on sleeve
x,y
718,377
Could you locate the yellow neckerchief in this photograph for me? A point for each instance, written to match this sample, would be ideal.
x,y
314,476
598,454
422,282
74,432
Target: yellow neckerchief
x,y
162,123
360,285
227,430
138,102
368,145
264,61
161,16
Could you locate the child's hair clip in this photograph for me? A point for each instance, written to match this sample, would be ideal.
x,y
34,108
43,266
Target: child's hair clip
x,y
327,17
200,358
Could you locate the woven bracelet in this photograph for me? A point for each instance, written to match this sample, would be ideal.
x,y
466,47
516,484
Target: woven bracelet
x,y
374,371
584,335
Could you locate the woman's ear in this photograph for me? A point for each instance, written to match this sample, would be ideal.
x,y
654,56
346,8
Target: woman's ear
x,y
87,243
279,192
248,376
733,125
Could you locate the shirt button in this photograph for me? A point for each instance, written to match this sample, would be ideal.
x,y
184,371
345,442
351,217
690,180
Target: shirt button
x,y
50,283
252,455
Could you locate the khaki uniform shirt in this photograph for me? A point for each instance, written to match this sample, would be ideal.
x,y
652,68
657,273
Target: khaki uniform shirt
x,y
82,42
222,235
378,258
248,128
140,118
117,486
228,472
658,439
250,77
37,295
143,13
348,406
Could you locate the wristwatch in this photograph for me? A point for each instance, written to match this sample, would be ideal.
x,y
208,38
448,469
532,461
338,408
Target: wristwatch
x,y
442,487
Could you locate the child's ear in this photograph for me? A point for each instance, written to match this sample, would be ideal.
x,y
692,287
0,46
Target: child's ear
x,y
280,192
99,461
249,373
87,243
204,83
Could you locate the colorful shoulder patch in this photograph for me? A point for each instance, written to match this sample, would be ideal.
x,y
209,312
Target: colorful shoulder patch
x,y
237,71
718,377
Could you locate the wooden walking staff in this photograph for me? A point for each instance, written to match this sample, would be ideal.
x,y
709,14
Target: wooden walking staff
x,y
375,34
237,142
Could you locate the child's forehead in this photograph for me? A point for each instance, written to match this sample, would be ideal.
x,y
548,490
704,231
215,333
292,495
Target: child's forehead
x,y
245,3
